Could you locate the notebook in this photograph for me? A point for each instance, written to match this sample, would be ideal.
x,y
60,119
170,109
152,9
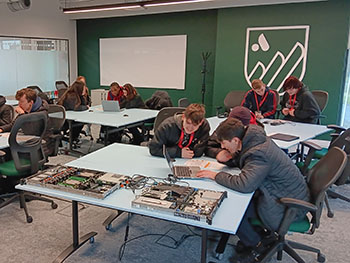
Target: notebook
x,y
110,106
181,171
283,137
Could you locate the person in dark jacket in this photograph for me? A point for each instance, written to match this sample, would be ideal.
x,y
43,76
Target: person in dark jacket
x,y
185,135
159,100
133,100
5,112
260,100
115,92
29,102
73,99
214,149
298,103
265,169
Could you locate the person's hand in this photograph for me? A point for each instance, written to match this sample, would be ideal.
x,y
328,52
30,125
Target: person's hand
x,y
187,153
291,112
223,156
285,111
206,174
1,130
259,115
19,110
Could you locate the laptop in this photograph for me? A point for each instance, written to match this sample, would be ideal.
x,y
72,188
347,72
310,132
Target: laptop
x,y
110,106
181,171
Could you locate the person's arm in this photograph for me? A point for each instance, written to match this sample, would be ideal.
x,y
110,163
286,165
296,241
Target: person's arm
x,y
6,117
201,138
253,173
271,105
309,107
247,100
161,138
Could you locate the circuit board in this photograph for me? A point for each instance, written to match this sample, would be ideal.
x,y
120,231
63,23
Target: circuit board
x,y
86,182
183,201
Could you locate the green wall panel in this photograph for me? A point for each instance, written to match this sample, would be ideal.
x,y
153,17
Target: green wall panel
x,y
328,38
200,28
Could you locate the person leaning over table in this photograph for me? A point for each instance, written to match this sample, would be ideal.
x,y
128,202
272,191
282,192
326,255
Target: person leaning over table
x,y
133,100
261,100
85,93
5,112
298,103
115,93
29,102
266,170
214,149
185,134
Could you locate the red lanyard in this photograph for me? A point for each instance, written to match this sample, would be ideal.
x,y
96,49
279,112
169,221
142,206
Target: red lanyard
x,y
182,138
258,105
290,101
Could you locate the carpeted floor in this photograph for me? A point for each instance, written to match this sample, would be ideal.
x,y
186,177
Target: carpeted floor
x,y
149,240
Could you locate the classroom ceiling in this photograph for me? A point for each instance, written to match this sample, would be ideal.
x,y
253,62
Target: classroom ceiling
x,y
213,4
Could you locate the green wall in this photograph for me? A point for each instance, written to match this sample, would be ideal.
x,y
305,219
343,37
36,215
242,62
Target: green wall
x,y
200,28
223,32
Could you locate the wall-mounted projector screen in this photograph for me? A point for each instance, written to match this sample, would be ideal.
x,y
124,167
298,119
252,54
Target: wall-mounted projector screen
x,y
149,62
32,62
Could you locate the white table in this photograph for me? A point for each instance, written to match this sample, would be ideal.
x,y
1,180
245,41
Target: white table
x,y
124,119
12,102
4,140
128,160
304,131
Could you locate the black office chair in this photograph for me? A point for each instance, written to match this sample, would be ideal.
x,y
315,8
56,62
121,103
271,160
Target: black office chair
x,y
28,157
57,117
321,98
319,179
233,98
183,102
60,84
41,94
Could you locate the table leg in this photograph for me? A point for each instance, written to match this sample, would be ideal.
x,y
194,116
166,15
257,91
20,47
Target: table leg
x,y
77,243
70,125
204,245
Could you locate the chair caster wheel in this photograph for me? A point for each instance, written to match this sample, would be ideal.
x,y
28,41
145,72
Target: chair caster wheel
x,y
54,205
219,256
92,240
321,258
330,214
29,219
108,227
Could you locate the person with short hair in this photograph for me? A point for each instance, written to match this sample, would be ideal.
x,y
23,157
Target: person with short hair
x,y
298,103
115,92
264,169
261,100
185,135
5,112
214,149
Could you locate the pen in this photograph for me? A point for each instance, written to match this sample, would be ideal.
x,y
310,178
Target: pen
x,y
207,164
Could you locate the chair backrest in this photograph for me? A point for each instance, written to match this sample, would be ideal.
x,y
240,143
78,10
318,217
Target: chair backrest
x,y
322,176
60,84
40,93
321,98
234,98
11,110
166,113
57,117
25,141
183,102
60,92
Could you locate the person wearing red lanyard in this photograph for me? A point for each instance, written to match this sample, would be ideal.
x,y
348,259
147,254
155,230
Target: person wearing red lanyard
x,y
298,103
260,100
115,92
185,135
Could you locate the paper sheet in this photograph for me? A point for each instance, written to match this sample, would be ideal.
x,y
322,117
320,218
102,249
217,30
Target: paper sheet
x,y
203,164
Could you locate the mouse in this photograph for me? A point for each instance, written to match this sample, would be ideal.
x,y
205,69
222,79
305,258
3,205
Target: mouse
x,y
125,115
90,110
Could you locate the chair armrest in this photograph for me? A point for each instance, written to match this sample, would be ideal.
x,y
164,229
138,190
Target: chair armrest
x,y
311,145
2,153
338,129
296,203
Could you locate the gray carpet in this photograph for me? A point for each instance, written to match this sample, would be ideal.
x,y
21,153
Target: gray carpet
x,y
149,240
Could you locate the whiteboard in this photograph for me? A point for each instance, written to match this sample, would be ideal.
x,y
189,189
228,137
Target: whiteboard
x,y
149,62
32,62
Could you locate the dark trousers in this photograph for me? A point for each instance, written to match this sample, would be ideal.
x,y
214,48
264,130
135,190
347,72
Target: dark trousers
x,y
246,232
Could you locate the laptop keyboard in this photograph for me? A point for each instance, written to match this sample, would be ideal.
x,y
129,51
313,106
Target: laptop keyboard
x,y
183,171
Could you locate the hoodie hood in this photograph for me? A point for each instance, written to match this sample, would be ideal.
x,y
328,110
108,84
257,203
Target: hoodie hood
x,y
2,100
37,104
178,120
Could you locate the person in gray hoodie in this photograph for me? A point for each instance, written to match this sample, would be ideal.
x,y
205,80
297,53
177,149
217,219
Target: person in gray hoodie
x,y
265,170
5,112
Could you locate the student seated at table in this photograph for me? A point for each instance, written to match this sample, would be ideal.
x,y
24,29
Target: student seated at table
x,y
133,100
214,149
29,102
260,100
298,103
5,112
115,92
85,94
185,135
266,170
73,99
